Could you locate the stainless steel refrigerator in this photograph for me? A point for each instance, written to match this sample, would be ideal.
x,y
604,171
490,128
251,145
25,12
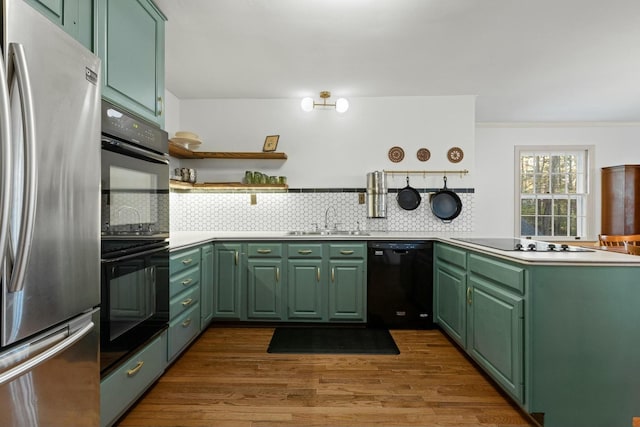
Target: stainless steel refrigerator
x,y
49,224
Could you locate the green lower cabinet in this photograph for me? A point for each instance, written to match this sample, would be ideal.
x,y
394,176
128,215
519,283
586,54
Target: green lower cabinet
x,y
450,286
228,285
206,285
306,285
495,333
347,300
264,289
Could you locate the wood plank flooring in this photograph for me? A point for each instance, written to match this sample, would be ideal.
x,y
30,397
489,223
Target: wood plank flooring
x,y
227,378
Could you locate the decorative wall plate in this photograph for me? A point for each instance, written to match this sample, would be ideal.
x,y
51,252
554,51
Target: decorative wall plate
x,y
423,154
396,154
455,154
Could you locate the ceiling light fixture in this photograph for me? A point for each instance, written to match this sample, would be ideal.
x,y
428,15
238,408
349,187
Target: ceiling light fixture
x,y
341,105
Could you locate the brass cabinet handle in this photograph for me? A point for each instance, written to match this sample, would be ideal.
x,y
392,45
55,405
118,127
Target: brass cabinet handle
x,y
333,274
346,252
187,261
318,273
277,274
161,103
187,302
264,251
136,369
305,251
469,295
187,281
186,323
237,256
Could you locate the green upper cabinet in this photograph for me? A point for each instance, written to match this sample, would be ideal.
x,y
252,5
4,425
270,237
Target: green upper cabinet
x,y
75,17
130,41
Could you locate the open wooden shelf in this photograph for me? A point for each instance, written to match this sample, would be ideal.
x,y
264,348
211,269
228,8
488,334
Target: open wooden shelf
x,y
183,153
181,185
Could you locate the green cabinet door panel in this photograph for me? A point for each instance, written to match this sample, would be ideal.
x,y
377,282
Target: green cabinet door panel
x,y
75,17
131,45
306,285
227,288
347,299
206,285
264,289
495,333
450,285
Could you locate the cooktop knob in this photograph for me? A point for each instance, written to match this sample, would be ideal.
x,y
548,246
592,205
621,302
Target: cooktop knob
x,y
565,247
551,246
532,246
518,246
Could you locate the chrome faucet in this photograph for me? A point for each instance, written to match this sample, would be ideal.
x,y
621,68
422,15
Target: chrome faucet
x,y
326,217
136,211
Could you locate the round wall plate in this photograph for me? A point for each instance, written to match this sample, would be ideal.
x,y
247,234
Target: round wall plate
x,y
396,154
423,154
455,154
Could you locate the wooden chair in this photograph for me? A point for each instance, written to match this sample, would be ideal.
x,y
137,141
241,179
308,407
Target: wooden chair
x,y
618,239
633,249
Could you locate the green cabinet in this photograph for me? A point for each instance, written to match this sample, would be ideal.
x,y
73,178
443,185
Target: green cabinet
x,y
130,42
264,281
75,17
479,302
228,283
347,283
306,282
206,285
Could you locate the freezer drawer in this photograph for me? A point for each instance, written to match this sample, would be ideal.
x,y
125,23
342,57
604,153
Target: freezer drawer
x,y
63,390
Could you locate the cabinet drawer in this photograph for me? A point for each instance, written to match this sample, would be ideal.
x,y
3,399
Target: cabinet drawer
x,y
347,250
121,388
182,330
184,301
452,255
182,260
187,279
256,250
305,250
497,271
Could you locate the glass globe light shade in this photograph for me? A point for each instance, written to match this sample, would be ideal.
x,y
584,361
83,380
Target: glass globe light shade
x,y
307,104
342,105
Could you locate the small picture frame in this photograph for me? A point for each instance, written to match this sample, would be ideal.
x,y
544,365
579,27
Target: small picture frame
x,y
271,143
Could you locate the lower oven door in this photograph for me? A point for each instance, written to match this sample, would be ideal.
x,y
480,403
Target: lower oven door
x,y
135,300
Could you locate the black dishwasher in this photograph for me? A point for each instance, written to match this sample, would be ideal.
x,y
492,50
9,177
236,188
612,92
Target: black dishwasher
x,y
400,284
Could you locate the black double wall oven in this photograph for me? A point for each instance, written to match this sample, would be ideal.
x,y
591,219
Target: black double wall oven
x,y
134,235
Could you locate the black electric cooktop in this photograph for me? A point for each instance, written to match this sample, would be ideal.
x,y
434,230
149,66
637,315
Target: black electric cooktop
x,y
524,245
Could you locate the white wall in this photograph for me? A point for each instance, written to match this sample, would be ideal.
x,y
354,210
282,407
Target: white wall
x,y
494,165
330,150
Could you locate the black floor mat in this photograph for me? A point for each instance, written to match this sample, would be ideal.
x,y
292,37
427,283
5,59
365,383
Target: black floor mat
x,y
337,340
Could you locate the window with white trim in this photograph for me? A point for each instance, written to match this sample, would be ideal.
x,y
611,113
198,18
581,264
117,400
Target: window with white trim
x,y
553,192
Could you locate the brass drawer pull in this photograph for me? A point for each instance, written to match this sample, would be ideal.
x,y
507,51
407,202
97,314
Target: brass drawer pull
x,y
187,261
469,295
187,282
318,273
187,302
305,251
333,274
346,252
186,323
264,251
237,256
132,372
277,274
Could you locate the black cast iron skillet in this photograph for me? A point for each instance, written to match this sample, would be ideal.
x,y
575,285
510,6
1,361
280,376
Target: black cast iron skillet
x,y
445,204
408,198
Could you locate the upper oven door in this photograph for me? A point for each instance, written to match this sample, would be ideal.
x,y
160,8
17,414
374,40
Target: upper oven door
x,y
135,191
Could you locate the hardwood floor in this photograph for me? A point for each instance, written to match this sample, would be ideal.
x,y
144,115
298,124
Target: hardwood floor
x,y
227,378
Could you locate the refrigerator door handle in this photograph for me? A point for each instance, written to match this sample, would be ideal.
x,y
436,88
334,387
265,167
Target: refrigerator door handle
x,y
31,363
17,58
5,159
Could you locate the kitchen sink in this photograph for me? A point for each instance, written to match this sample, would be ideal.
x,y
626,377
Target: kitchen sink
x,y
327,233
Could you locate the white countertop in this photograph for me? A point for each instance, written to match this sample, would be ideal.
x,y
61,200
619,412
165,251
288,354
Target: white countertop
x,y
184,239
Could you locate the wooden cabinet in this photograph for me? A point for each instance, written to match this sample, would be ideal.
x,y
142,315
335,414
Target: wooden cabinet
x,y
75,17
620,211
121,388
206,285
228,284
347,282
479,302
130,42
264,281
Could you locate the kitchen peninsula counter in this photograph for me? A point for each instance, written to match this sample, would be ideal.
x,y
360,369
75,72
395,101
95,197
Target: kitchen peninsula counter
x,y
184,239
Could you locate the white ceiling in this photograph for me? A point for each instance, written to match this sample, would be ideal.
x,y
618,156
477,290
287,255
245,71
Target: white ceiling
x,y
525,60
